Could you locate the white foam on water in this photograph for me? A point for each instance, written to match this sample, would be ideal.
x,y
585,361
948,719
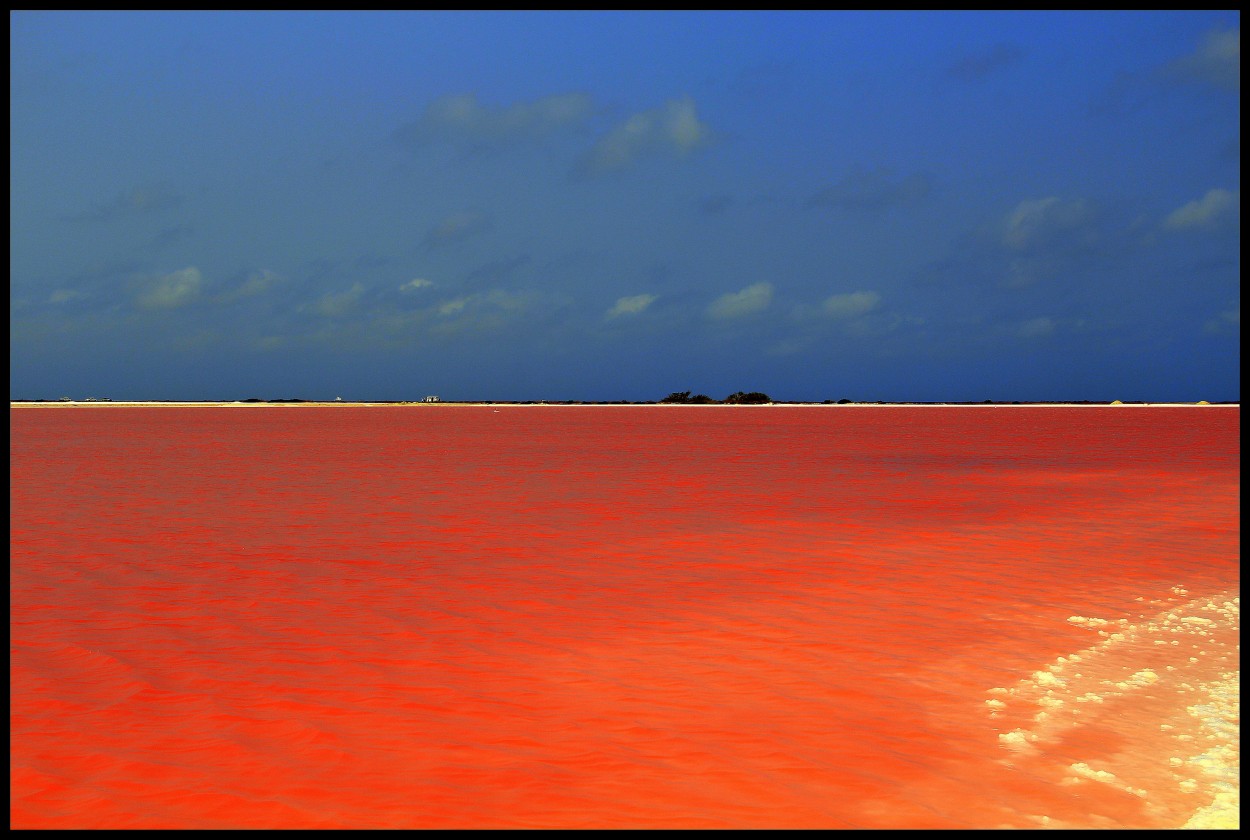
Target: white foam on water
x,y
1137,661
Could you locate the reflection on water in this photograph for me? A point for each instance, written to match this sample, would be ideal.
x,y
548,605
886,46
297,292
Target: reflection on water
x,y
656,616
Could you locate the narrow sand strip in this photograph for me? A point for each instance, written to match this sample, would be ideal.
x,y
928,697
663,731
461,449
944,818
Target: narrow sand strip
x,y
511,405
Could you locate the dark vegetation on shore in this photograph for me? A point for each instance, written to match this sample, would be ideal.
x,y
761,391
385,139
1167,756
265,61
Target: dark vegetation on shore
x,y
736,398
675,398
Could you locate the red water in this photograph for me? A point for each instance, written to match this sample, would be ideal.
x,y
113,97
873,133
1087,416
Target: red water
x,y
654,616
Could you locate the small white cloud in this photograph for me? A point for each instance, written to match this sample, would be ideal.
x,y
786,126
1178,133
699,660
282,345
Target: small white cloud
x,y
1217,61
141,200
978,65
172,290
508,301
415,284
674,126
787,347
1041,222
486,306
681,126
258,282
459,225
1036,328
630,305
452,307
1025,271
851,305
1212,207
333,305
480,313
1227,321
750,300
873,190
462,121
63,296
621,145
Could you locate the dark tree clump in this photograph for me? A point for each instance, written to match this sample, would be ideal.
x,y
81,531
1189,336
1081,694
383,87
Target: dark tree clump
x,y
736,398
684,398
752,398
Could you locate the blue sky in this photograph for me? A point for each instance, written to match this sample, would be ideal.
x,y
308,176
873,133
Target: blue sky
x,y
602,206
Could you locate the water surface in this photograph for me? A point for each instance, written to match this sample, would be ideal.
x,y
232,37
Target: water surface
x,y
644,616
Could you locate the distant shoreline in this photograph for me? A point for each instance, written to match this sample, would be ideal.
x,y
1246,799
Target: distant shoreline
x,y
575,404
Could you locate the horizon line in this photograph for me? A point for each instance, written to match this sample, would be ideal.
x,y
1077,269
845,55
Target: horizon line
x,y
254,402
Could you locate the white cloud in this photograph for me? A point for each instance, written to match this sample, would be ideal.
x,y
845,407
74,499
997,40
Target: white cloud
x,y
451,307
681,126
257,283
480,312
674,126
172,290
415,284
630,305
1217,61
978,65
1039,223
851,305
1036,328
1227,321
140,200
495,300
873,190
462,121
750,300
1209,209
1023,272
458,225
333,305
63,296
787,347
